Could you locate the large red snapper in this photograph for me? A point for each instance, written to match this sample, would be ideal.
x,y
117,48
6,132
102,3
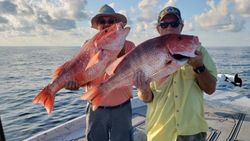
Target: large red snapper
x,y
157,58
89,63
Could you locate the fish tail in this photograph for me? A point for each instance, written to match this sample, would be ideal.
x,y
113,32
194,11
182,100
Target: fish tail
x,y
45,98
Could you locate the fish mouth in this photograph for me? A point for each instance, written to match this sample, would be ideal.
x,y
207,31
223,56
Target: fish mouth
x,y
180,57
121,26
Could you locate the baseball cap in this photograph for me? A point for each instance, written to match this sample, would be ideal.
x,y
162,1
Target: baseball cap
x,y
170,10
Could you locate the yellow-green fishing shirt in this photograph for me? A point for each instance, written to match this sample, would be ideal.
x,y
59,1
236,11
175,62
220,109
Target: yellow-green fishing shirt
x,y
177,108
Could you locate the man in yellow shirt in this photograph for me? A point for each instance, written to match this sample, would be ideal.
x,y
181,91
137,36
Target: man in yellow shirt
x,y
175,104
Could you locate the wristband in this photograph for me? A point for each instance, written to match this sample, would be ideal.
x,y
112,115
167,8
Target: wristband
x,y
200,69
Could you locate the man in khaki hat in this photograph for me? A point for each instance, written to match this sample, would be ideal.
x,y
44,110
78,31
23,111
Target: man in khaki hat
x,y
111,121
107,11
175,108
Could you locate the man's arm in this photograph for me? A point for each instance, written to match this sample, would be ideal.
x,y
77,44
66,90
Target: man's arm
x,y
205,79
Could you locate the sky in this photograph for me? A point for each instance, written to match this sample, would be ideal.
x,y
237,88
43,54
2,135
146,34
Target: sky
x,y
217,23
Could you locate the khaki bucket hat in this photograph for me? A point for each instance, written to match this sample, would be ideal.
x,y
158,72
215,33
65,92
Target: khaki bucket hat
x,y
107,11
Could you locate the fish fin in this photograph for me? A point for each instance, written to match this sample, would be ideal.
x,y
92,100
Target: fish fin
x,y
61,69
91,94
94,107
116,49
45,98
164,72
95,44
94,60
111,68
96,102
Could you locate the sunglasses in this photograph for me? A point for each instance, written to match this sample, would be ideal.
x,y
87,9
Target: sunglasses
x,y
109,21
172,24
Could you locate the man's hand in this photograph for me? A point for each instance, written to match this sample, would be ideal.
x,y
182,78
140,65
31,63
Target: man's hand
x,y
144,91
140,81
72,85
205,80
196,61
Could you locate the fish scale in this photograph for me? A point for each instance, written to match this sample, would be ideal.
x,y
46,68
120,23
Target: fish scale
x,y
155,57
89,63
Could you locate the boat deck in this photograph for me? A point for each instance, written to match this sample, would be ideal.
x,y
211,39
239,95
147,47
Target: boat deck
x,y
223,126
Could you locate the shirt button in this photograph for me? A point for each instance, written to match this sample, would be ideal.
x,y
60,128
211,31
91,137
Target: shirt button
x,y
177,124
177,110
176,96
174,82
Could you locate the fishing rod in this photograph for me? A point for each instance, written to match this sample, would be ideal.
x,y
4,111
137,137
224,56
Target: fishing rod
x,y
2,138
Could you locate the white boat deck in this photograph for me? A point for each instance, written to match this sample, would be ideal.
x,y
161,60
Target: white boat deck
x,y
223,125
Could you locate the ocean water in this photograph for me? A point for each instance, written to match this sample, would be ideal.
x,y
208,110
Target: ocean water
x,y
26,70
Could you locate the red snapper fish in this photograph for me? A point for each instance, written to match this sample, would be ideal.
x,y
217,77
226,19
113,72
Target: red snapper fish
x,y
89,63
157,58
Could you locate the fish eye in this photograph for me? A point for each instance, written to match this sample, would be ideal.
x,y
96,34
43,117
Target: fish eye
x,y
179,38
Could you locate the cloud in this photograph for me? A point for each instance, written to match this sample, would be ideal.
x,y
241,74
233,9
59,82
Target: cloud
x,y
148,13
29,16
146,17
112,5
6,7
3,23
142,27
242,7
72,9
188,26
45,19
147,10
3,20
170,3
24,9
125,13
62,24
220,18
